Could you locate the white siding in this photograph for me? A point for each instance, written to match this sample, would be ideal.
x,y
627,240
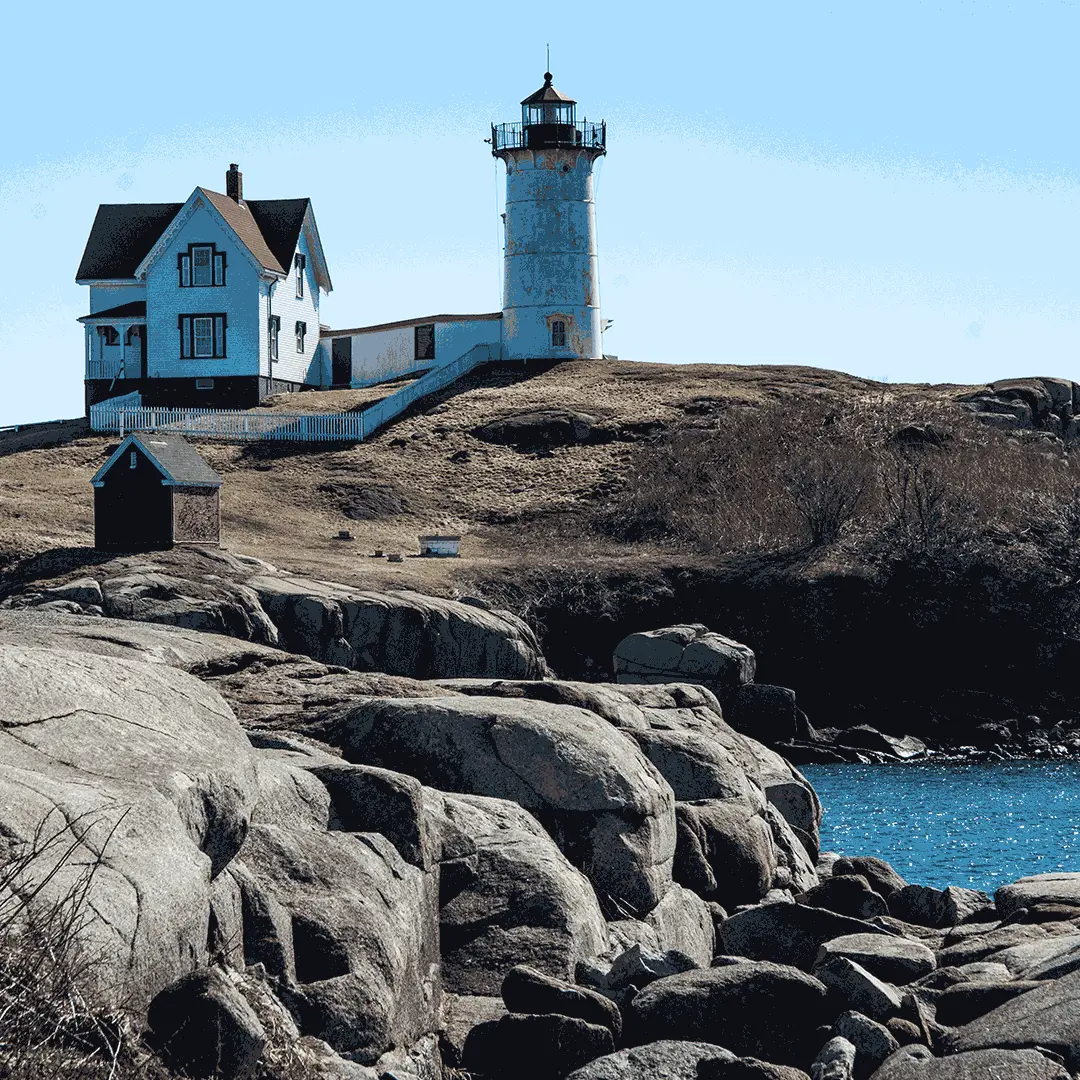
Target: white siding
x,y
381,355
103,297
454,339
166,301
295,367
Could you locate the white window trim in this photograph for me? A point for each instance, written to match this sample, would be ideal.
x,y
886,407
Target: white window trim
x,y
208,267
196,320
273,333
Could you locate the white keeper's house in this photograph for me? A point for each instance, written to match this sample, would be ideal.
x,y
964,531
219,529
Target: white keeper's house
x,y
215,301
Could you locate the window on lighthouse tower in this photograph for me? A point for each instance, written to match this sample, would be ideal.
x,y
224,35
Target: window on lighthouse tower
x,y
558,334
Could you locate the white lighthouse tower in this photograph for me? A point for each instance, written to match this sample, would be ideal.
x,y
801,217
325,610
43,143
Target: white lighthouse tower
x,y
551,278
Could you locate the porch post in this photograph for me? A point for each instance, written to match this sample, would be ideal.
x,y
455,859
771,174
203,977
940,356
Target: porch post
x,y
122,329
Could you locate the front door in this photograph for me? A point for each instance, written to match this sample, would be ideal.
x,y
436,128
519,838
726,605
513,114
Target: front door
x,y
341,356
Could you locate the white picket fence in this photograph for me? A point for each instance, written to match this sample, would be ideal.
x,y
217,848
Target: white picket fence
x,y
127,414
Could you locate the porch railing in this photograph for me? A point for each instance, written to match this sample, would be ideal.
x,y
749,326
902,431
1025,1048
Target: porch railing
x,y
124,415
104,369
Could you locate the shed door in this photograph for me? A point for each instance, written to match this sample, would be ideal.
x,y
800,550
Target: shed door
x,y
341,355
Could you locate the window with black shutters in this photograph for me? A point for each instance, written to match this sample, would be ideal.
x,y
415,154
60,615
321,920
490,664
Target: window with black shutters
x,y
301,333
425,341
202,266
202,336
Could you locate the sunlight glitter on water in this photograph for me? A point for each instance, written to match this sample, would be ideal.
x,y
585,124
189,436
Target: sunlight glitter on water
x,y
979,826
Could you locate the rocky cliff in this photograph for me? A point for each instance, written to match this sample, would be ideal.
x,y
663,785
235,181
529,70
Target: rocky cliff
x,y
284,867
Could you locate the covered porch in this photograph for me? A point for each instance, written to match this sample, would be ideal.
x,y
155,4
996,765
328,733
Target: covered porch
x,y
116,342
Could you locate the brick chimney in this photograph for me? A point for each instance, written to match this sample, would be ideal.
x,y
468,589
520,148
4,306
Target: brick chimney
x,y
234,184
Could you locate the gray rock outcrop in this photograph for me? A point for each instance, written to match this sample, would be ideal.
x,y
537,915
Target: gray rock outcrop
x,y
1058,888
144,772
526,990
752,1009
534,1046
897,960
399,633
917,1063
788,933
685,654
835,1061
1045,1017
202,1027
518,900
609,809
672,1059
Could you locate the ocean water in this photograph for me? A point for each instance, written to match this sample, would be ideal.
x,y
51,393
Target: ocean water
x,y
979,826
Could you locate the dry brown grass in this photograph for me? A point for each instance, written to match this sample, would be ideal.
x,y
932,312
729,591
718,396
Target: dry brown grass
x,y
501,500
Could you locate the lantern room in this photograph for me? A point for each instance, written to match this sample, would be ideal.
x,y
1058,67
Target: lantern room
x,y
548,106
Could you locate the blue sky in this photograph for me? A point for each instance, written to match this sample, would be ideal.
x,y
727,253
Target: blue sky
x,y
892,189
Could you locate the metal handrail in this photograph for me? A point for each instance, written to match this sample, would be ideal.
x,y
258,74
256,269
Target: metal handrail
x,y
581,135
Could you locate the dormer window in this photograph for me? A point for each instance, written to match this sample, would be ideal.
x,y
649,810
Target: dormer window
x,y
201,266
300,262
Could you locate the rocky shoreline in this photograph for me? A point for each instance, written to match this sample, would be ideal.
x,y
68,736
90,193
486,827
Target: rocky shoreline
x,y
326,833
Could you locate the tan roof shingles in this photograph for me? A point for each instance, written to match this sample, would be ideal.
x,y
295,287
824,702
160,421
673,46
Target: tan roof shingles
x,y
239,219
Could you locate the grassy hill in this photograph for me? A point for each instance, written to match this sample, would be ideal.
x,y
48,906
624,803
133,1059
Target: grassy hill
x,y
429,471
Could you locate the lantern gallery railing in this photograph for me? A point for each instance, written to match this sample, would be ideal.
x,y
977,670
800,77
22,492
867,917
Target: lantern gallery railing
x,y
582,135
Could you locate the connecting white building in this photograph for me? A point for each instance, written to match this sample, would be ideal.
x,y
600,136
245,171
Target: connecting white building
x,y
215,301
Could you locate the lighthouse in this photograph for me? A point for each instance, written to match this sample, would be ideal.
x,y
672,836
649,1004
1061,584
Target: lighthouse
x,y
551,278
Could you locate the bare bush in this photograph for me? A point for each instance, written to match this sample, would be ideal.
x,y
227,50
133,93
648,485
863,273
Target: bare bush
x,y
50,1026
916,501
890,475
826,493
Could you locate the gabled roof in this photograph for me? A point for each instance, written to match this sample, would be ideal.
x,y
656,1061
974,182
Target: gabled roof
x,y
241,220
280,222
175,458
121,237
124,235
547,93
135,309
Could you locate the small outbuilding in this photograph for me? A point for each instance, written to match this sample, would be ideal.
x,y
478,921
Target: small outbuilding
x,y
439,546
153,492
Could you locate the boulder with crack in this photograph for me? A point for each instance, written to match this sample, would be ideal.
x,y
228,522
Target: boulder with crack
x,y
607,807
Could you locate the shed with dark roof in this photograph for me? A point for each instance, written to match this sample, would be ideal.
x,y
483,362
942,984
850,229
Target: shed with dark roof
x,y
155,491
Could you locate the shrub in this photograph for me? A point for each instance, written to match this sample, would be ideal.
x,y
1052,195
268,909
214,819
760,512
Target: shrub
x,y
826,492
50,1027
886,477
